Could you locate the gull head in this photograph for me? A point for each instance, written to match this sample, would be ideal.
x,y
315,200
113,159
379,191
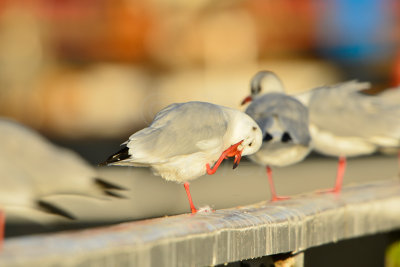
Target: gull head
x,y
264,81
246,129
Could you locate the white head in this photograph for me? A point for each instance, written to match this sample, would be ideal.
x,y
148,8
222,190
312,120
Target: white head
x,y
264,81
243,127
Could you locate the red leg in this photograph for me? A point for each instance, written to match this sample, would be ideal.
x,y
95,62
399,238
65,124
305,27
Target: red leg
x,y
272,186
340,174
339,177
192,207
216,165
230,152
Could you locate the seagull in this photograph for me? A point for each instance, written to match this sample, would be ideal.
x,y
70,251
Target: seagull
x,y
345,122
32,169
184,139
284,124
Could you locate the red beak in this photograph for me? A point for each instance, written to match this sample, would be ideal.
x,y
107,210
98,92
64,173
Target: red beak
x,y
246,100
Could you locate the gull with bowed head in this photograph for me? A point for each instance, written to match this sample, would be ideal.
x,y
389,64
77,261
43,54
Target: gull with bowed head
x,y
185,139
345,122
284,124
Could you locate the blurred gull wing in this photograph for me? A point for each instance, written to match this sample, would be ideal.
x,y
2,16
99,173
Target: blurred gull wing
x,y
346,122
344,88
346,112
18,197
49,169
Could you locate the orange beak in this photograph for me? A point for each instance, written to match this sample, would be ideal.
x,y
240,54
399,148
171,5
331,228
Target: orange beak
x,y
233,151
238,156
246,100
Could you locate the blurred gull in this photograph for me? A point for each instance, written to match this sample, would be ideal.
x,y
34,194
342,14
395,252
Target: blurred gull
x,y
344,122
284,124
185,138
32,169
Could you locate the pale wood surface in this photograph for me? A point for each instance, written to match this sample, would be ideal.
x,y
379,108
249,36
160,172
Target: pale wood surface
x,y
222,236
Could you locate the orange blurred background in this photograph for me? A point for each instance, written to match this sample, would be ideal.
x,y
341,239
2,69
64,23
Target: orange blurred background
x,y
100,69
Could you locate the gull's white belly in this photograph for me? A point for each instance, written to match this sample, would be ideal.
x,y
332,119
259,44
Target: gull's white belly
x,y
280,155
184,168
332,145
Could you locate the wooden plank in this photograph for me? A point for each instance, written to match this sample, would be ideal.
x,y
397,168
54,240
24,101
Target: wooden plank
x,y
222,236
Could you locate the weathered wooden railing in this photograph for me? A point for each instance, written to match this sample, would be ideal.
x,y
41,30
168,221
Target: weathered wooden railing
x,y
218,237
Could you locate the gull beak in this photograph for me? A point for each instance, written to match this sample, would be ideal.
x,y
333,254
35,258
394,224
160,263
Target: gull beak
x,y
246,100
238,156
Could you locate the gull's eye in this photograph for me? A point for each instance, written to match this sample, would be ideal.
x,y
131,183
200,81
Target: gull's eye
x,y
250,143
256,90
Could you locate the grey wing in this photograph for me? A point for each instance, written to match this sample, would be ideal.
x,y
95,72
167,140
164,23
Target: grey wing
x,y
179,129
352,113
340,88
295,119
292,115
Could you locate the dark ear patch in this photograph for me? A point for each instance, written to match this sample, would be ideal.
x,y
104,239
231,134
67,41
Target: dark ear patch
x,y
286,137
267,137
254,128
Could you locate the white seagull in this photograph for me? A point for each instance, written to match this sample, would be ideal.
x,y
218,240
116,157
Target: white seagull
x,y
284,124
345,122
32,169
184,139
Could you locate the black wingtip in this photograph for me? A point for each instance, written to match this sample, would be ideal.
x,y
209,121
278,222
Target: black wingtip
x,y
114,194
108,185
286,137
120,155
51,208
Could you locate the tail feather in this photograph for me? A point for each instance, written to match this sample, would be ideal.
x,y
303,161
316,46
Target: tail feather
x,y
120,155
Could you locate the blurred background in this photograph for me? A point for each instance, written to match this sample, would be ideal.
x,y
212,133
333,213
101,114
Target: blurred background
x,y
88,73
